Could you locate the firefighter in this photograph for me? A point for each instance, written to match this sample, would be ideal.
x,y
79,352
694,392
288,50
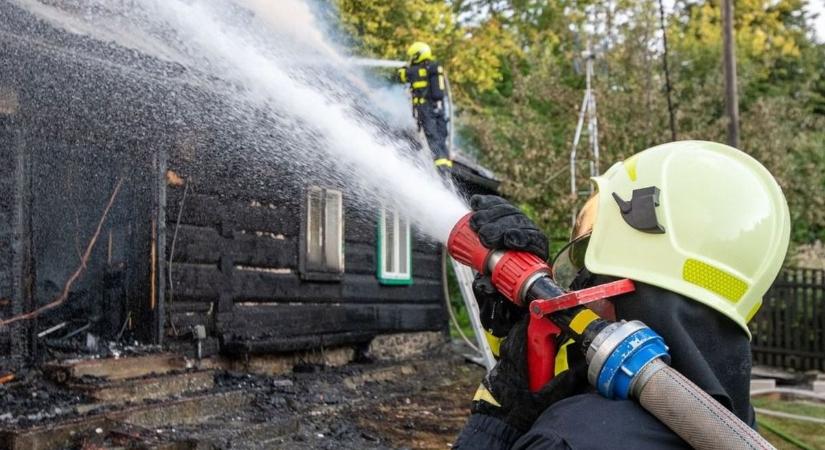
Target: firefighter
x,y
428,89
702,229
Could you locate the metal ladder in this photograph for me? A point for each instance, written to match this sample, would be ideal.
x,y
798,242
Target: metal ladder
x,y
586,112
465,276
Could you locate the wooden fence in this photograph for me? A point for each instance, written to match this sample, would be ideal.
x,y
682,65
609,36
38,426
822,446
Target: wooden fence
x,y
789,330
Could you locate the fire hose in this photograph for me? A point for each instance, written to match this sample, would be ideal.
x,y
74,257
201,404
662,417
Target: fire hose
x,y
625,359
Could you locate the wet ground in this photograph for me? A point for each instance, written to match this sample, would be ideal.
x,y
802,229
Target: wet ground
x,y
420,403
416,404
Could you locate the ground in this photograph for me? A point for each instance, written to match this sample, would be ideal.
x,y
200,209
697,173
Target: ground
x,y
798,434
417,403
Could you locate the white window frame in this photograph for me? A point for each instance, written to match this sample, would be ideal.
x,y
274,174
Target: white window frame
x,y
399,224
322,251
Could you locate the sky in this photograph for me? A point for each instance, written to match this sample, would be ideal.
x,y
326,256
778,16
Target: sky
x,y
818,7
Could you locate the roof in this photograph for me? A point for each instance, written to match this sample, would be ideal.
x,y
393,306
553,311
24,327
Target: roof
x,y
42,33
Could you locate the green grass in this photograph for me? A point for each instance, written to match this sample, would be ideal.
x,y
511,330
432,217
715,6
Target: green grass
x,y
457,302
807,434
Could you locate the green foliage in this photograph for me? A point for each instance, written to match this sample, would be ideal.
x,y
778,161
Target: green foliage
x,y
517,73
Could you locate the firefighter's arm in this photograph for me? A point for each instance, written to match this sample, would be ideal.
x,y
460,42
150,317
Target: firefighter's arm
x,y
401,74
503,407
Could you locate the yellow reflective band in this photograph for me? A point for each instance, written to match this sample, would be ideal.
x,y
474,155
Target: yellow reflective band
x,y
419,84
441,82
561,358
495,342
714,279
483,395
630,166
753,311
402,73
443,162
418,100
422,72
582,320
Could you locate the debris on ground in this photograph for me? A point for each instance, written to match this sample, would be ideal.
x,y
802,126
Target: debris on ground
x,y
101,404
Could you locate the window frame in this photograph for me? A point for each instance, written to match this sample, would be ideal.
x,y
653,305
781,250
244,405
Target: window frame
x,y
322,271
393,278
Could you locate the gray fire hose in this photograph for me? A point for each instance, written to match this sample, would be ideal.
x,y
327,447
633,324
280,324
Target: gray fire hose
x,y
626,359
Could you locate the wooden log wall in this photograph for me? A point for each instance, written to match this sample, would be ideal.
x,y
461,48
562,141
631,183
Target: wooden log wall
x,y
236,269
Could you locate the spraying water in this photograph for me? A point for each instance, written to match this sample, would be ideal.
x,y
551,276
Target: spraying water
x,y
254,47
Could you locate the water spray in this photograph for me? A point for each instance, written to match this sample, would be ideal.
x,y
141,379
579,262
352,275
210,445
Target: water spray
x,y
624,359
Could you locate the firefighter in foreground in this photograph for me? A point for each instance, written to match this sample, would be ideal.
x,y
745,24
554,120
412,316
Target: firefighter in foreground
x,y
428,89
702,229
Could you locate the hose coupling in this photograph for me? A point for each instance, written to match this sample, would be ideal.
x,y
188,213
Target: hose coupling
x,y
618,354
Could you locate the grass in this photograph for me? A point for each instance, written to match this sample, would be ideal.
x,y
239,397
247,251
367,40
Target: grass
x,y
802,435
457,302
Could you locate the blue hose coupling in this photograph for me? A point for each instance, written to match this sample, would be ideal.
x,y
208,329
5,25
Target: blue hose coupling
x,y
618,354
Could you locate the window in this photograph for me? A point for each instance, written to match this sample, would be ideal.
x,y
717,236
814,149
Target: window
x,y
394,253
323,249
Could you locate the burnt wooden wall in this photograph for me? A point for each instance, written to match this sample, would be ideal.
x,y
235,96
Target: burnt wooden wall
x,y
83,122
92,113
14,228
236,269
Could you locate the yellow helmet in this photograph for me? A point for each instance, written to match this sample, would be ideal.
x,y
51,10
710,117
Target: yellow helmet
x,y
418,52
698,218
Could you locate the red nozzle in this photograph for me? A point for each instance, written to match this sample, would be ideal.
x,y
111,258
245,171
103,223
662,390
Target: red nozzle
x,y
514,271
465,247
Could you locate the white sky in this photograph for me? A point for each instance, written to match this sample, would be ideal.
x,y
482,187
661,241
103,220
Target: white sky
x,y
818,7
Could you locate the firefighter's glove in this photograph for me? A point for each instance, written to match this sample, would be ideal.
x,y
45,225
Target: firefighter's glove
x,y
505,394
502,226
401,74
497,314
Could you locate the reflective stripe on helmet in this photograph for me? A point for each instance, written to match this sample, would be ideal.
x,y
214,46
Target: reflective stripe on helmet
x,y
714,279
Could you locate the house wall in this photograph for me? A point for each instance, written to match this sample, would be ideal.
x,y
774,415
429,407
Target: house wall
x,y
14,250
89,117
79,127
236,269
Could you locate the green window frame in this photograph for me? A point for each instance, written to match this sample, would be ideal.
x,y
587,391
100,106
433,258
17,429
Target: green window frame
x,y
394,249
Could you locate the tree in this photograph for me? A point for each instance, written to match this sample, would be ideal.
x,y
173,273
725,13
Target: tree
x,y
517,78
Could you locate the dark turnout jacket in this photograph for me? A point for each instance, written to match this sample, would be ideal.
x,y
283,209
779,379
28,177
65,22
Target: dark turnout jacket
x,y
706,347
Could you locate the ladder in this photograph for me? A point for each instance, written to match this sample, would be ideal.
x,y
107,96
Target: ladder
x,y
465,277
588,111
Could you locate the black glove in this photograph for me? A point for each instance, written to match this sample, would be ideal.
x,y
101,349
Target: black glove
x,y
508,396
497,314
400,75
502,226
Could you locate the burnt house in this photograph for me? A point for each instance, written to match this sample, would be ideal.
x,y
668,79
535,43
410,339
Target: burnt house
x,y
264,259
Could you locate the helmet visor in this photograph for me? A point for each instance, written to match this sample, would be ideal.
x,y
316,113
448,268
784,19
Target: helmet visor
x,y
569,261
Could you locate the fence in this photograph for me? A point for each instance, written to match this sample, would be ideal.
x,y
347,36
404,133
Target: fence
x,y
789,330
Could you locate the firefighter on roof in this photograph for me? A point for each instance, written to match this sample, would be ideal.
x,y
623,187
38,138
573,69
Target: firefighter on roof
x,y
427,86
